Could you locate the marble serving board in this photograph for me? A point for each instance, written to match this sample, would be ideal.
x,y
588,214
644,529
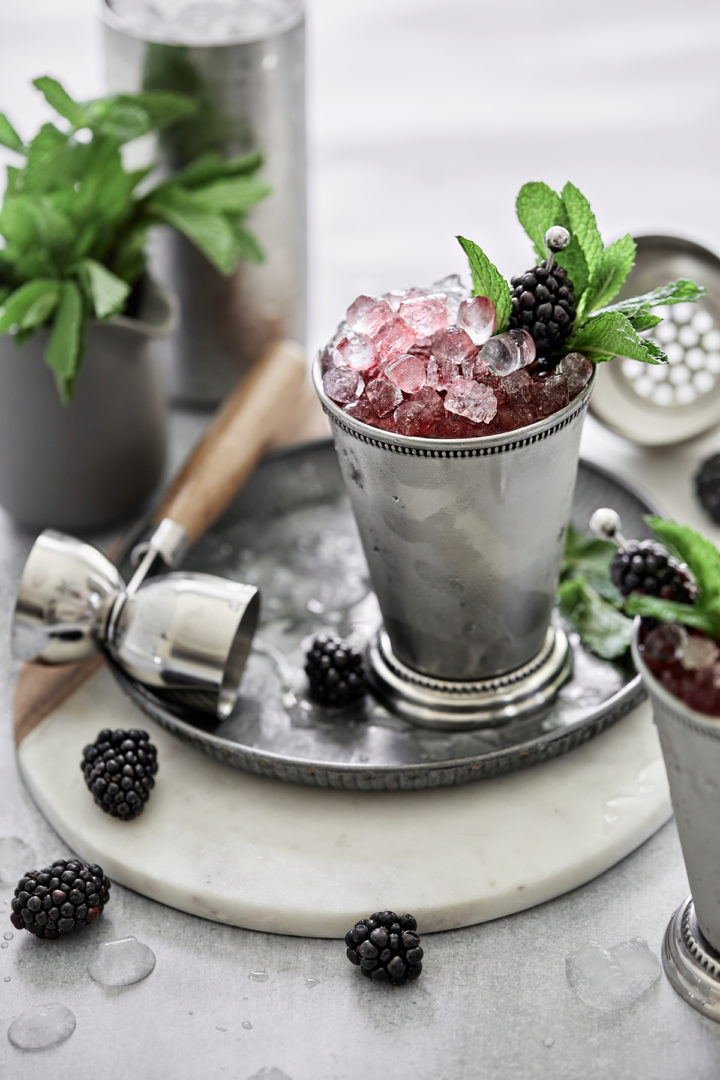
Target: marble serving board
x,y
286,858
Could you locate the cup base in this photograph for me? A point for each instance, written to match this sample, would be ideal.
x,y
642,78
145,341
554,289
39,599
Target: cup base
x,y
691,964
455,705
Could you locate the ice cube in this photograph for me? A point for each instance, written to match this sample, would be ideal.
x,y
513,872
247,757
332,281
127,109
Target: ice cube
x,y
407,371
413,418
432,399
477,318
356,351
452,346
577,369
343,384
508,352
368,314
699,653
611,979
398,296
666,642
425,314
471,399
362,410
393,337
383,395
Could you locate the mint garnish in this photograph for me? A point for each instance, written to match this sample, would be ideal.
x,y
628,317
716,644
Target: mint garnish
x,y
489,282
74,221
588,600
610,334
703,561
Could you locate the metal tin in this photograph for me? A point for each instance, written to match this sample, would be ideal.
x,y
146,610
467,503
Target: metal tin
x,y
691,965
251,95
658,405
463,540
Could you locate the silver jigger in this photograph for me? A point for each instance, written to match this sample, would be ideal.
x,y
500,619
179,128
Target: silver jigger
x,y
464,540
190,633
690,744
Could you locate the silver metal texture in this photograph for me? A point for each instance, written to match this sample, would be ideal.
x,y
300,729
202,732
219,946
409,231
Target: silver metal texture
x,y
251,96
691,749
66,593
188,631
659,405
291,532
690,963
464,540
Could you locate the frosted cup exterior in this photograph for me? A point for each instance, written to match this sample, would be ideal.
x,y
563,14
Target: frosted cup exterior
x,y
463,538
691,748
251,96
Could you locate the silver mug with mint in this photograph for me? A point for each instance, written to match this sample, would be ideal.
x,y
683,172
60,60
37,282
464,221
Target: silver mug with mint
x,y
243,63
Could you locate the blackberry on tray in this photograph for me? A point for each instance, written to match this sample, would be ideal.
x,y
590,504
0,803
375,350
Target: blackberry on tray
x,y
335,671
60,898
119,770
386,947
645,566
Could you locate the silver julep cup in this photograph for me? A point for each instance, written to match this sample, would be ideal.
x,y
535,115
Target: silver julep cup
x,y
464,540
251,96
690,743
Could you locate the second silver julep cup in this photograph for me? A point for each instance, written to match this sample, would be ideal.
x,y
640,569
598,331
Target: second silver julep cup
x,y
464,540
690,743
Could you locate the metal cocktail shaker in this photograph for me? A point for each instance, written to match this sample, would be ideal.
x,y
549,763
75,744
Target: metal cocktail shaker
x,y
244,64
464,540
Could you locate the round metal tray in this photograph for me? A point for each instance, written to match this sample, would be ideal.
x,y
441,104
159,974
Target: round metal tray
x,y
291,532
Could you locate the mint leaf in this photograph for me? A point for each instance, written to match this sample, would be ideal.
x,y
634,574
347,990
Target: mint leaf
x,y
107,293
64,348
212,166
211,233
488,281
59,99
675,292
246,246
30,305
590,558
645,319
582,226
538,207
9,136
602,628
615,263
611,334
125,117
233,196
692,615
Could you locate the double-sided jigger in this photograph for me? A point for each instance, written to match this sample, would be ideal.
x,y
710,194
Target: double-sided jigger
x,y
186,632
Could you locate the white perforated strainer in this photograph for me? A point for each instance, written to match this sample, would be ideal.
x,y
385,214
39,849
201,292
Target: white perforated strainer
x,y
656,405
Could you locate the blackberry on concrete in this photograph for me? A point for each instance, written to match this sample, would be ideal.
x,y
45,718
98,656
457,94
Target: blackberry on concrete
x,y
707,486
644,566
386,947
119,770
543,303
335,671
59,899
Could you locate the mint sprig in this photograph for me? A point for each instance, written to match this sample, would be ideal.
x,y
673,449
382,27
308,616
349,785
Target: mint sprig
x,y
703,561
488,281
588,600
74,221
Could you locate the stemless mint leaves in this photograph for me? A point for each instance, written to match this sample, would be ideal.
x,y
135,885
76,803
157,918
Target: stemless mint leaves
x,y
487,281
703,561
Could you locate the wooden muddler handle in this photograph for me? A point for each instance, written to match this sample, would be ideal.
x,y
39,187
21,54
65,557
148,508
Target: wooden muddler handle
x,y
261,405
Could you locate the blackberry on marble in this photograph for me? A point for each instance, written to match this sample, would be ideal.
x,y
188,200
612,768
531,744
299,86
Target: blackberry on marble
x,y
60,898
335,671
386,947
119,770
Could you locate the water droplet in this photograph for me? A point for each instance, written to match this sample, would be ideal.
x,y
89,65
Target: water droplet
x,y
42,1027
311,982
3,944
15,858
8,935
247,1025
549,1042
218,1027
121,963
259,976
6,978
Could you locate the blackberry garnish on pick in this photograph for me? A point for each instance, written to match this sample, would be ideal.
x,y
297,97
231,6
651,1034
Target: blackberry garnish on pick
x,y
707,486
119,769
643,566
386,947
59,899
543,302
335,671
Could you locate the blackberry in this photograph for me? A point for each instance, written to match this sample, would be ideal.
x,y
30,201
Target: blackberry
x,y
335,670
62,897
119,768
543,303
386,947
707,486
644,566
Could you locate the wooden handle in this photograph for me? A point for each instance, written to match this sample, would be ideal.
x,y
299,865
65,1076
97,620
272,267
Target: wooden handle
x,y
250,418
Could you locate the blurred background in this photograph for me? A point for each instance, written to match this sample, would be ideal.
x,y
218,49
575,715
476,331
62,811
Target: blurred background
x,y
426,116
